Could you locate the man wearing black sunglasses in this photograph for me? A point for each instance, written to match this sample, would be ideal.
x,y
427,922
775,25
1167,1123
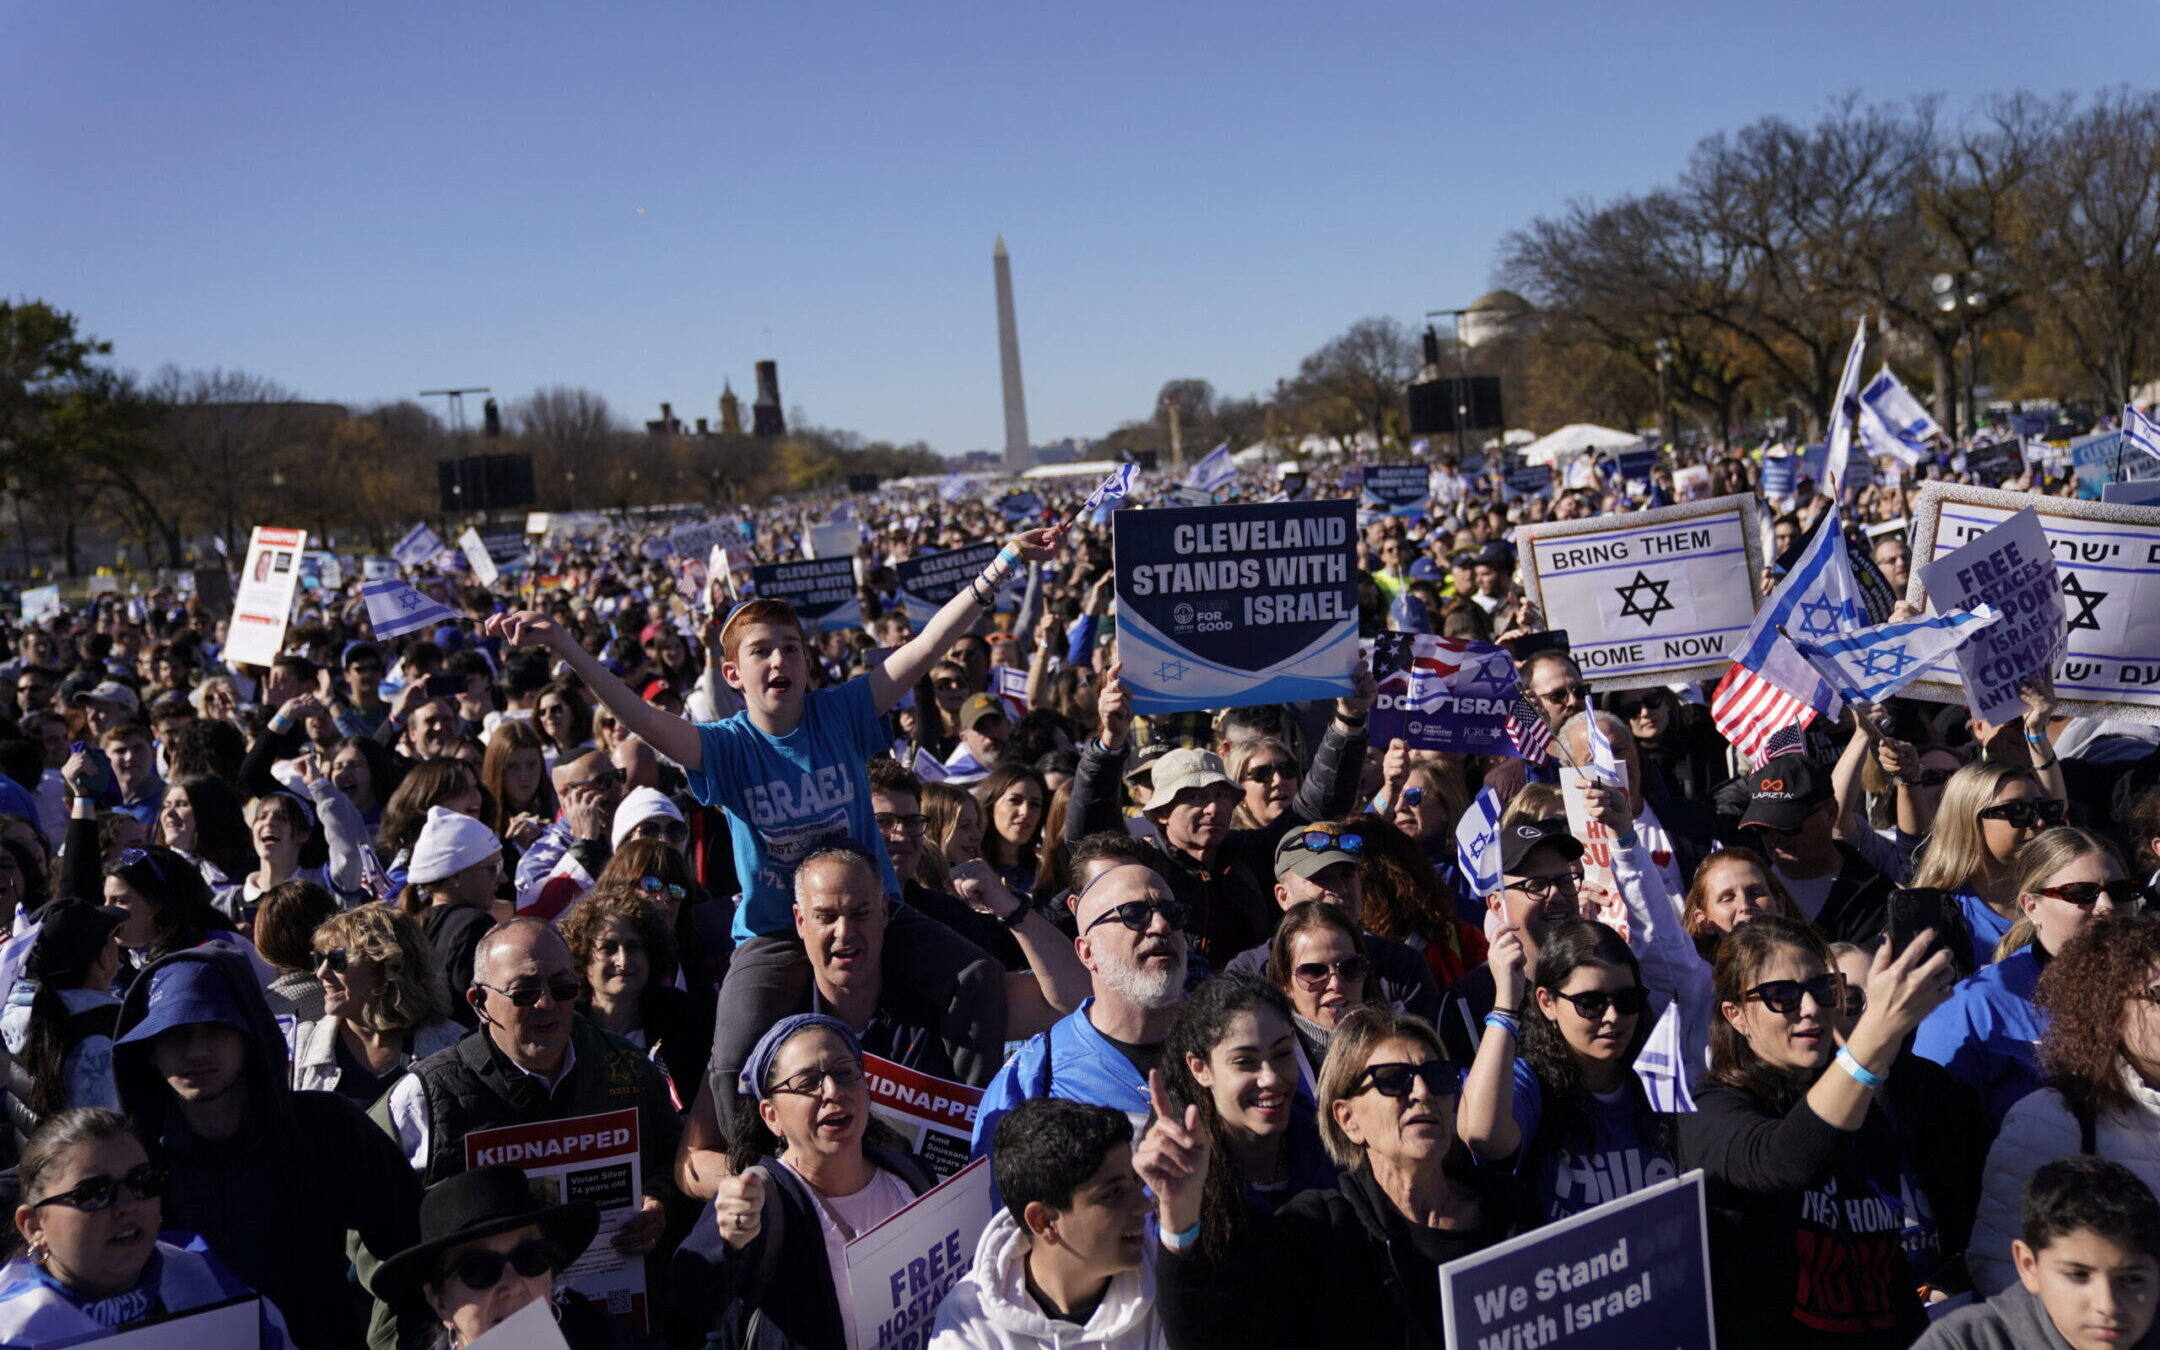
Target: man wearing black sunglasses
x,y
271,1178
1541,877
1792,818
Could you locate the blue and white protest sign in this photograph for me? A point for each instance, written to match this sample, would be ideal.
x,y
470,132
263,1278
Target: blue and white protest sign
x,y
1780,475
1529,480
1651,597
928,580
821,590
1440,693
1398,489
40,603
375,569
1635,464
2107,457
2104,593
1872,664
419,544
1178,494
395,608
2138,492
476,553
1631,1272
1230,606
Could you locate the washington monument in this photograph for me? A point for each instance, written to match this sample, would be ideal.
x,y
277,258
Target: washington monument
x,y
1017,457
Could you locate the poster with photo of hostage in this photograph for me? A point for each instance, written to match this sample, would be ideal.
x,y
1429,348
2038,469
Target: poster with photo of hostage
x,y
934,1118
1232,606
262,605
1651,597
586,1158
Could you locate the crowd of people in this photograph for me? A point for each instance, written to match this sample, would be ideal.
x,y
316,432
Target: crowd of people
x,y
1256,1053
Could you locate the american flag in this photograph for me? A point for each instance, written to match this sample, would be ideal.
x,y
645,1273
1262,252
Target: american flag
x,y
1526,726
1417,654
1817,599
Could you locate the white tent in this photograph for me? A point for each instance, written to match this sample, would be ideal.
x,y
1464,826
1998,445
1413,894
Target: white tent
x,y
1575,438
1100,468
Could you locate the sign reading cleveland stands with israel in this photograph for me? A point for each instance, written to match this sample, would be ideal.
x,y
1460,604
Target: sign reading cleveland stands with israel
x,y
1230,606
1652,597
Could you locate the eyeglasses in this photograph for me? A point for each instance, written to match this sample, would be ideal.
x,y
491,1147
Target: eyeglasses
x,y
2086,894
1139,914
2023,815
483,1269
656,887
1314,974
1328,841
1591,1004
563,992
810,1082
142,857
1628,709
1577,692
667,831
1394,1080
337,958
1413,796
1783,996
145,1181
1782,831
887,822
1264,774
1543,888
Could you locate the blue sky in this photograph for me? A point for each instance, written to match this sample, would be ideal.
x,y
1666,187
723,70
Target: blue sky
x,y
362,201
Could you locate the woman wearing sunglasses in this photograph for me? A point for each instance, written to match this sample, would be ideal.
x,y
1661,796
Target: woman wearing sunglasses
x,y
1352,1266
488,1248
1318,960
382,1005
2100,1062
1793,1141
93,1264
1424,797
1988,812
619,943
1554,1096
1986,1033
1232,1052
764,1264
1267,774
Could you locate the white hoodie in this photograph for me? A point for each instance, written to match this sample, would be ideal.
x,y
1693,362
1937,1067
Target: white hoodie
x,y
992,1310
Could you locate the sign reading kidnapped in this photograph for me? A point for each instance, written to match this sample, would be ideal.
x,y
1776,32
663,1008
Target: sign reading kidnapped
x,y
1634,1271
2103,599
822,591
1230,606
1665,595
1398,489
928,581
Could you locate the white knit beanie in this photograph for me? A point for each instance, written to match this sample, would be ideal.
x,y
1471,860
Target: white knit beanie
x,y
642,804
448,844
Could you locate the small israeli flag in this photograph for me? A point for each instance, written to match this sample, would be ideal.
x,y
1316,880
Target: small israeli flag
x,y
394,608
1214,471
2140,431
1843,410
1112,489
419,544
1477,844
1870,665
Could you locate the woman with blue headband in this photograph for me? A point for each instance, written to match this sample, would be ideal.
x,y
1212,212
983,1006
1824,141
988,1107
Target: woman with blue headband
x,y
765,1264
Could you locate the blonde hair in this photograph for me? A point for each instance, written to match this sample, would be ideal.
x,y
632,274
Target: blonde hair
x,y
1533,803
407,994
1956,849
1241,756
1355,1038
2048,853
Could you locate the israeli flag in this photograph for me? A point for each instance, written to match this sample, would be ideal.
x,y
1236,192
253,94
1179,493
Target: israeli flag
x,y
927,767
1874,663
1604,765
2140,432
1477,844
419,544
1839,443
1817,600
1878,438
1214,471
394,608
1112,489
1900,414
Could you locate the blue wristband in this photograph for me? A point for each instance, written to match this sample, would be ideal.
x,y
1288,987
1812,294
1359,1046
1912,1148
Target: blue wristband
x,y
1505,1022
1861,1073
1179,1241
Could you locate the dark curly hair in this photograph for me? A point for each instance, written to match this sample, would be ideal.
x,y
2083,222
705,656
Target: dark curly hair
x,y
2083,992
1568,1120
1203,1020
1404,897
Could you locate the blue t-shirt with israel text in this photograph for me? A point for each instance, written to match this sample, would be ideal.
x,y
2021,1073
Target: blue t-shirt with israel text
x,y
788,796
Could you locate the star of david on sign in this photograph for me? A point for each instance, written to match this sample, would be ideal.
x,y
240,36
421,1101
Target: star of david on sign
x,y
1885,661
1171,670
1634,606
2087,601
1818,618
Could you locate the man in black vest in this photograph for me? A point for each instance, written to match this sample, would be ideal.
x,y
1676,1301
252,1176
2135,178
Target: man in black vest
x,y
534,1059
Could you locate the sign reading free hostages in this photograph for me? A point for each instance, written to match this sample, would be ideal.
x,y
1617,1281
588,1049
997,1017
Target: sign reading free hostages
x,y
1655,597
1231,606
822,591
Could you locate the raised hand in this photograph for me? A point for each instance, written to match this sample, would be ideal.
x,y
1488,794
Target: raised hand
x,y
1510,964
586,813
739,1208
1902,988
1113,706
975,882
1360,701
1038,545
526,628
1173,1159
1395,768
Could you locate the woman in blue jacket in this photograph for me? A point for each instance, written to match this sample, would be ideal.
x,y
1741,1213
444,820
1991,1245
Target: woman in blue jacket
x,y
1986,1034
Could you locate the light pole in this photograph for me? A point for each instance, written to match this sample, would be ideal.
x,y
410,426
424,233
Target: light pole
x,y
1664,399
1462,377
1951,297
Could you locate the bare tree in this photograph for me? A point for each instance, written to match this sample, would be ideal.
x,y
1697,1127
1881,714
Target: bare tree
x,y
1363,372
567,429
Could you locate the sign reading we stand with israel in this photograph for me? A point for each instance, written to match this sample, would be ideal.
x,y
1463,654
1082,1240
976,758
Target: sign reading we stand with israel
x,y
1231,606
1650,597
2106,582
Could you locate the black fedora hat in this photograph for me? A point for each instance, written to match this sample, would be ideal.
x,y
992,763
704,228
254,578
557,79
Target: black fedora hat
x,y
482,1203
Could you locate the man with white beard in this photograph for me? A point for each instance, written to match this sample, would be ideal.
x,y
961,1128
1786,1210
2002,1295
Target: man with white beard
x,y
1132,941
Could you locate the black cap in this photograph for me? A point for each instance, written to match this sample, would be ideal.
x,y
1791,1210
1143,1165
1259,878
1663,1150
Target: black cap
x,y
1519,840
70,936
1784,792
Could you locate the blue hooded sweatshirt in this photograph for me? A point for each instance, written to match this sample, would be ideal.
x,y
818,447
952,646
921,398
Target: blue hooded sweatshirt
x,y
1987,1032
